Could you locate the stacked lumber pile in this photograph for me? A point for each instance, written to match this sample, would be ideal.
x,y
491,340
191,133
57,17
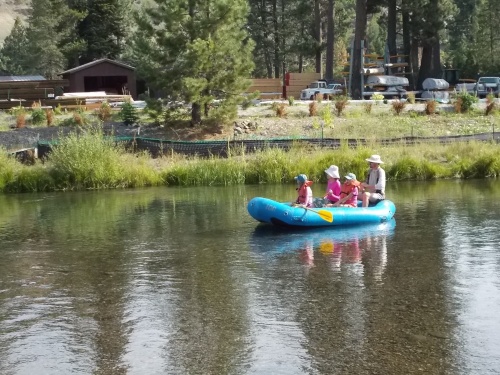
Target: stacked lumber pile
x,y
296,82
24,93
269,88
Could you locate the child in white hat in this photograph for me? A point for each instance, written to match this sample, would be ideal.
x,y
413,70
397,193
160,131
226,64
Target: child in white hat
x,y
333,186
349,193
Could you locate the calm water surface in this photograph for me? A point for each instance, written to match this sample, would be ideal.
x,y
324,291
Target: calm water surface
x,y
183,281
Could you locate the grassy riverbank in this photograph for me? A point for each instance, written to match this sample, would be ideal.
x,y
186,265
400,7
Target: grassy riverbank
x,y
89,161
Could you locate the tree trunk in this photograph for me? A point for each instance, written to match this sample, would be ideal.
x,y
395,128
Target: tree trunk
x,y
430,66
415,62
357,59
330,41
391,30
407,47
195,114
317,36
265,34
301,56
277,64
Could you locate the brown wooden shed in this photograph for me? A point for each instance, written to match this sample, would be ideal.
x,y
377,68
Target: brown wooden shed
x,y
102,75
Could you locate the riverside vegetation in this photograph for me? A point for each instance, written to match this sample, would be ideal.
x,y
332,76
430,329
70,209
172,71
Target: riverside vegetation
x,y
88,160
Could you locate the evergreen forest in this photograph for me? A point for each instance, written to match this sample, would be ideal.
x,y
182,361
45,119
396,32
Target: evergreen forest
x,y
205,51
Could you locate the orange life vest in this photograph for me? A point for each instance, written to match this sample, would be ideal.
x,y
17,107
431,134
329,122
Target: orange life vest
x,y
302,190
346,189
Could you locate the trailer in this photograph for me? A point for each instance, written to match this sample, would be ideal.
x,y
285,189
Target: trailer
x,y
388,86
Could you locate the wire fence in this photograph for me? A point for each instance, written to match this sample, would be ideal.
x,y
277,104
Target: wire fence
x,y
158,147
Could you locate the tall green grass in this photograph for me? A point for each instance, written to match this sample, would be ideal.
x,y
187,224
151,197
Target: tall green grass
x,y
91,161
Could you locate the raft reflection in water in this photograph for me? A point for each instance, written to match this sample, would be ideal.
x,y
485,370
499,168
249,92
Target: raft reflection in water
x,y
346,245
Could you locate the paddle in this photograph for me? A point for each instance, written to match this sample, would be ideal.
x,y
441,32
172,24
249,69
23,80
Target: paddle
x,y
325,215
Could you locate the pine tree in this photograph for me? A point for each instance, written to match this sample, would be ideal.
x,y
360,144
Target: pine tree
x,y
14,52
51,25
104,29
196,51
128,114
487,48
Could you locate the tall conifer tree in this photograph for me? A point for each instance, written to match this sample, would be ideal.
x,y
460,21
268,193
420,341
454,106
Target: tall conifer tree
x,y
44,37
104,29
14,52
196,51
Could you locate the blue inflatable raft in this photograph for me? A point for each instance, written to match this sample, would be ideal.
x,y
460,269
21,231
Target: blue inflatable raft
x,y
285,215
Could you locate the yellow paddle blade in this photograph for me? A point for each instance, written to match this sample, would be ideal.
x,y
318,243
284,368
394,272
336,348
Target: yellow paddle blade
x,y
326,215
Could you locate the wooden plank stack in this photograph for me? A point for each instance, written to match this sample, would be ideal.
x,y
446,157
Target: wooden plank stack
x,y
296,82
269,88
24,93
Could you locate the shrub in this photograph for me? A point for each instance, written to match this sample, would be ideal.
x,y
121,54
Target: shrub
x,y
281,110
86,160
104,112
327,117
490,104
129,114
245,103
16,110
398,106
464,102
377,97
313,109
21,120
318,97
430,107
78,119
457,104
154,109
37,116
368,107
80,108
49,115
411,98
58,110
340,105
291,101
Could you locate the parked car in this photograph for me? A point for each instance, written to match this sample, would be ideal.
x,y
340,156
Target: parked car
x,y
336,88
322,88
487,85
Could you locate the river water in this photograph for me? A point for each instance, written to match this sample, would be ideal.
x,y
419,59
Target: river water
x,y
183,281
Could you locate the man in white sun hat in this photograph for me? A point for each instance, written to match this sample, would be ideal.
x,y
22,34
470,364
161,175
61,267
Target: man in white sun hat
x,y
374,185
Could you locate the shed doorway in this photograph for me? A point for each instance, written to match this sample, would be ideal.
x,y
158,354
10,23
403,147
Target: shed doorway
x,y
110,84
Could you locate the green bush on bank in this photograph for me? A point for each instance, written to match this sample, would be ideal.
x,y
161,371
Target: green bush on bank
x,y
80,161
91,161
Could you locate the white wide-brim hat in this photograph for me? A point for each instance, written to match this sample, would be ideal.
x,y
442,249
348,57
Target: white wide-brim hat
x,y
333,171
375,159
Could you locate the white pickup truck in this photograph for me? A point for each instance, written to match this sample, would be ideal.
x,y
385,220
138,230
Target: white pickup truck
x,y
322,88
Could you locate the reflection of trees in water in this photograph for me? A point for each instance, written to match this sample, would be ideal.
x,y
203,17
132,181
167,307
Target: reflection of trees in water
x,y
358,311
208,321
74,258
333,314
408,308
